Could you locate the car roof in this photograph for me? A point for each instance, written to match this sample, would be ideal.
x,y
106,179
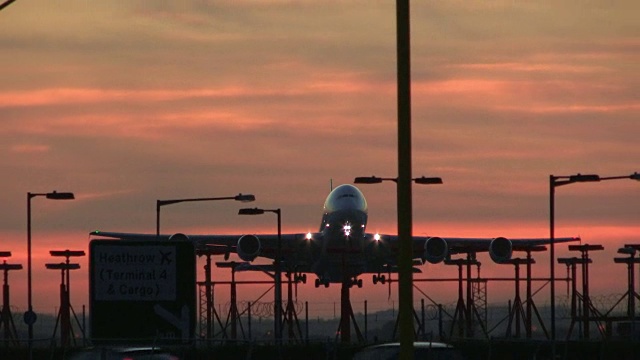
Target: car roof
x,y
417,344
124,348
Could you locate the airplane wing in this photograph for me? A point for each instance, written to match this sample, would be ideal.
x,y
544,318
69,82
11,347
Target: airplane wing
x,y
300,251
435,249
296,247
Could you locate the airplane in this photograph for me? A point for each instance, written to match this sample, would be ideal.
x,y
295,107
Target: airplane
x,y
342,249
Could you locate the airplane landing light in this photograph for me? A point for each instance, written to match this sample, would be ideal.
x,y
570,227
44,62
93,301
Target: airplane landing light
x,y
347,229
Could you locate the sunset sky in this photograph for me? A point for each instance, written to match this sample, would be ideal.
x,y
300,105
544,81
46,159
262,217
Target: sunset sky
x,y
127,102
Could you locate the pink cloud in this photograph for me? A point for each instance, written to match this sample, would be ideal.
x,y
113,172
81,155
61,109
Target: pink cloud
x,y
55,96
533,67
29,148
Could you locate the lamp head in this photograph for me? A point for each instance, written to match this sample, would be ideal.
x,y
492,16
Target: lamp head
x,y
60,195
428,180
584,178
250,211
245,197
367,180
627,250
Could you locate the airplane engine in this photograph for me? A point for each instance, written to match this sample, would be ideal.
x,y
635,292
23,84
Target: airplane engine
x,y
179,237
500,249
435,250
248,247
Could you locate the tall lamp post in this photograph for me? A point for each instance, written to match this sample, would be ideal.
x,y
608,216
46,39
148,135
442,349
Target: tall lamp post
x,y
404,204
160,203
30,316
277,311
554,182
405,259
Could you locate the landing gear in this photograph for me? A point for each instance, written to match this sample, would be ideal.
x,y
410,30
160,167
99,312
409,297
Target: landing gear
x,y
355,281
301,278
322,282
379,278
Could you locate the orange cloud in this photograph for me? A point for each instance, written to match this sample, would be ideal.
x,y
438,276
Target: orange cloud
x,y
29,148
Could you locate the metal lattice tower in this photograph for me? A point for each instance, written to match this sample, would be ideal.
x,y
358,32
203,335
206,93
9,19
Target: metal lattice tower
x,y
10,333
479,295
67,335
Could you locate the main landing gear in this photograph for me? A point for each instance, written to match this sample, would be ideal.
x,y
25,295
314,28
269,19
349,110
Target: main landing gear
x,y
351,282
301,278
379,278
322,282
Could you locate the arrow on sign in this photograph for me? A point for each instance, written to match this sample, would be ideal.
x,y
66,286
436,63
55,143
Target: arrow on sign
x,y
181,323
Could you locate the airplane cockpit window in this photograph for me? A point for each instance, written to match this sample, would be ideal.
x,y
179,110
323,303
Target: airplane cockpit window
x,y
345,196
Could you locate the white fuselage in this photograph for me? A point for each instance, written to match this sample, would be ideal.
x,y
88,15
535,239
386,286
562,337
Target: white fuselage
x,y
343,229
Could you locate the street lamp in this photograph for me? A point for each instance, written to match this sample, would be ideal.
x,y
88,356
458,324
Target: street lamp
x,y
30,316
277,326
555,181
159,203
405,257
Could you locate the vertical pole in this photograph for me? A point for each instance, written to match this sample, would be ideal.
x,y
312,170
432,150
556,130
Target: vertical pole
x,y
249,319
234,306
586,312
518,299
64,312
440,333
278,285
306,321
290,310
345,313
157,217
528,322
469,309
209,299
366,328
29,295
6,310
552,257
68,284
574,293
404,211
632,292
84,325
423,329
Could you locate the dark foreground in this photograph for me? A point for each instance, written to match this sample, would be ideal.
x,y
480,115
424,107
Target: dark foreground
x,y
471,349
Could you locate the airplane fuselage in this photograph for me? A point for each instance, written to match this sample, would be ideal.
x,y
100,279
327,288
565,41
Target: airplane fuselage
x,y
342,241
